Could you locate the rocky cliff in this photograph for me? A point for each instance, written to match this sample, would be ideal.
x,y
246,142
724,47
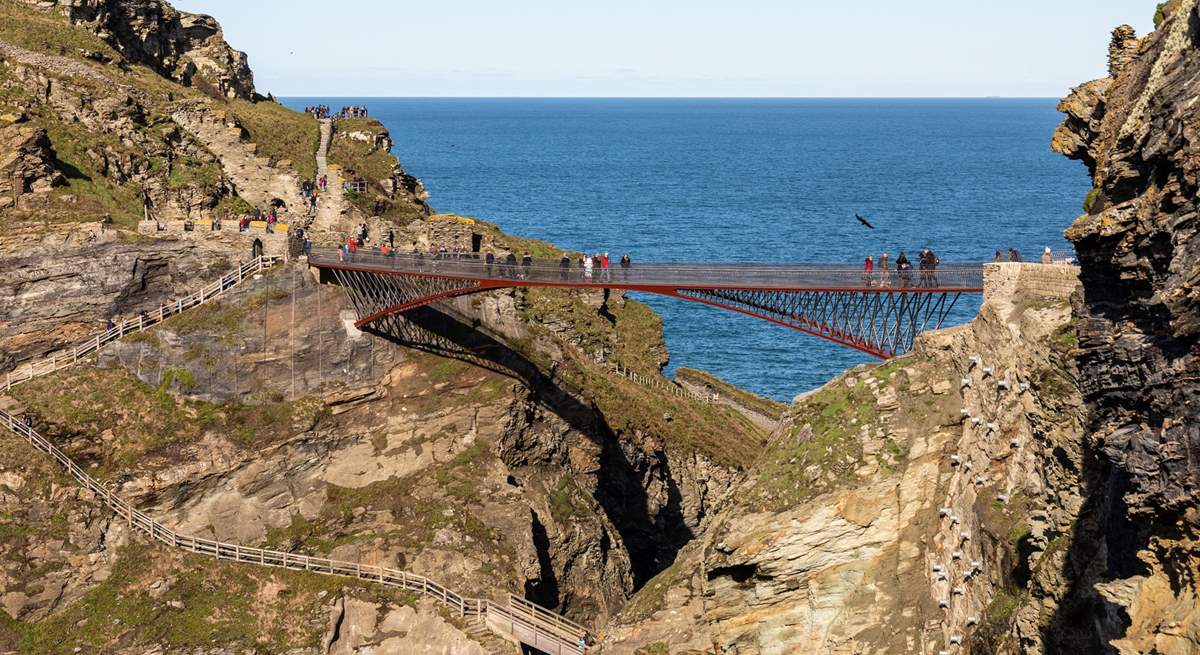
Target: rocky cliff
x,y
187,48
914,506
486,442
1135,586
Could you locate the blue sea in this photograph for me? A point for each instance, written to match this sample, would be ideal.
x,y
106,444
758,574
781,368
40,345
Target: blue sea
x,y
746,180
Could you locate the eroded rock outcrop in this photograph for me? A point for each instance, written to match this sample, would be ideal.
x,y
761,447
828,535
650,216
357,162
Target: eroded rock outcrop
x,y
1138,338
26,163
188,48
900,508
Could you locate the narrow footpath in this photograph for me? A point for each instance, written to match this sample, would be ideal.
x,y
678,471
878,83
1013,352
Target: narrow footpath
x,y
510,623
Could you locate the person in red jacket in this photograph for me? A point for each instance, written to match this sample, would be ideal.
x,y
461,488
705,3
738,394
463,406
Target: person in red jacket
x,y
604,271
868,270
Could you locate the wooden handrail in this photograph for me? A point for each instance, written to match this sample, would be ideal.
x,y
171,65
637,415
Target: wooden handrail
x,y
548,628
62,359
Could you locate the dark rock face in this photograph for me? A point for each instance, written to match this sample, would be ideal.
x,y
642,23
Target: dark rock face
x,y
1138,359
188,48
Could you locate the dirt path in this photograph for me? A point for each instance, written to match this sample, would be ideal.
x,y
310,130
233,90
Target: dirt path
x,y
253,176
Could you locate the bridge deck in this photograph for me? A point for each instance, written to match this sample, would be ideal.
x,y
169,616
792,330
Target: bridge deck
x,y
960,278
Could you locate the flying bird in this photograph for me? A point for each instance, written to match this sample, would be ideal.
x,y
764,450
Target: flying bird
x,y
864,221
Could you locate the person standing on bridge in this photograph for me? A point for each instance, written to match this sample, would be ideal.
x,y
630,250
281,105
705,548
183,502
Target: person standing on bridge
x,y
932,263
526,265
868,271
564,267
625,264
605,268
905,270
488,261
1046,259
510,266
885,274
588,263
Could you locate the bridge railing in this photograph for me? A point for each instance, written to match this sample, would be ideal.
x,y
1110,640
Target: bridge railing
x,y
827,277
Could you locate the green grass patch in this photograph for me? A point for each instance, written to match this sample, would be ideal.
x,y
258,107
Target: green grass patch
x,y
188,172
49,33
232,206
145,420
1066,337
563,503
212,605
177,374
992,633
808,461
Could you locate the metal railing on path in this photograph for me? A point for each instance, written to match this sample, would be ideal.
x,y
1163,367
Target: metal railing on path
x,y
519,619
720,275
65,358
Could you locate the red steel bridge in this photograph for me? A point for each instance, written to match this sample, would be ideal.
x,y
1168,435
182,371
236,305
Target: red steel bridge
x,y
878,315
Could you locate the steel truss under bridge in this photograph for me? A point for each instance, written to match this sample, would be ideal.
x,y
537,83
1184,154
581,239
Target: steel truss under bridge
x,y
879,313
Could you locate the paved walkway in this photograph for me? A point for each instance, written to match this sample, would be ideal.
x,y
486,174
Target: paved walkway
x,y
332,205
643,276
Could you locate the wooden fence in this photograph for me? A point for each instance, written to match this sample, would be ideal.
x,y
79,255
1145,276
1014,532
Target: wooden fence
x,y
69,357
525,621
519,619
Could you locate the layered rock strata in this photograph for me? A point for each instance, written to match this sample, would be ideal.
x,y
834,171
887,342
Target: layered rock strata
x,y
1134,584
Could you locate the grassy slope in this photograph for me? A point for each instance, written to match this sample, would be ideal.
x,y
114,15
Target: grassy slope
x,y
764,406
360,160
822,447
280,133
148,421
153,597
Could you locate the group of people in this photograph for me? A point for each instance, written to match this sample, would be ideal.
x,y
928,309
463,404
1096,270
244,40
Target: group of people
x,y
318,111
311,191
352,111
349,111
1014,255
597,266
507,267
879,273
270,216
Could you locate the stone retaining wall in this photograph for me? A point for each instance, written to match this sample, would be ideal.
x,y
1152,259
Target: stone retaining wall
x,y
1004,279
274,243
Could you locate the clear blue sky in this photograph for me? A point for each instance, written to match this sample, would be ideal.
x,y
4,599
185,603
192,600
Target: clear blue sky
x,y
673,47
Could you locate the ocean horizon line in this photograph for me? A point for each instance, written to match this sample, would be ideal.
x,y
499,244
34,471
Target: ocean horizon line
x,y
403,97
